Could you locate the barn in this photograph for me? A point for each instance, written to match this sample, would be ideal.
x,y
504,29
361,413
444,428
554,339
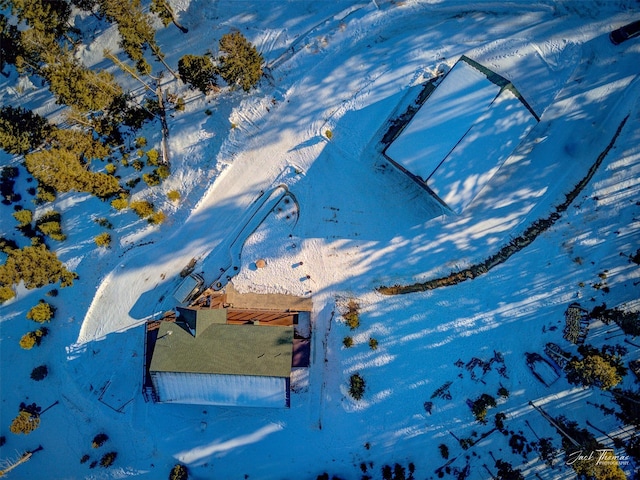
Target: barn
x,y
201,359
462,134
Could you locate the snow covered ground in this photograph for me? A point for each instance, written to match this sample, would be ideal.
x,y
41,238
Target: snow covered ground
x,y
348,67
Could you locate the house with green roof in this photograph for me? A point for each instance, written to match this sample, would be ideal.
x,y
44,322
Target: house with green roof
x,y
201,359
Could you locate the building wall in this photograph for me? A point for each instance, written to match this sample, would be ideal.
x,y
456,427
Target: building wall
x,y
216,389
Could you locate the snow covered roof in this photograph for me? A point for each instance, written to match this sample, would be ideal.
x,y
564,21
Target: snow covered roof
x,y
463,133
218,348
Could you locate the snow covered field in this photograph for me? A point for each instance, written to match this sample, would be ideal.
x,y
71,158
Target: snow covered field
x,y
348,68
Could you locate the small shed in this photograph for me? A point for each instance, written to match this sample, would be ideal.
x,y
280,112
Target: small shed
x,y
462,134
201,359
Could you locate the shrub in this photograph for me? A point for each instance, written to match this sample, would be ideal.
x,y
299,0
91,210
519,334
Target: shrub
x,y
39,373
173,195
99,440
120,203
103,222
328,134
85,458
444,451
240,62
180,104
163,171
137,165
133,182
179,472
351,316
356,386
347,342
49,224
157,218
152,179
480,405
103,240
108,459
503,392
110,168
31,339
373,343
24,217
141,142
42,312
152,157
142,208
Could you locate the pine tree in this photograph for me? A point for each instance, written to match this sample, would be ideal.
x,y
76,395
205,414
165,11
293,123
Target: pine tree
x,y
25,423
163,10
39,373
63,171
9,43
36,266
240,62
595,368
136,31
21,130
179,472
197,71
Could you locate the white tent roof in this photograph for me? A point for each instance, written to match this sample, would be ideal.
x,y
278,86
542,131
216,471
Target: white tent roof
x,y
462,134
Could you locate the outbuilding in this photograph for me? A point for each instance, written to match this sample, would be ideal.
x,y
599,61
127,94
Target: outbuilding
x,y
201,359
462,134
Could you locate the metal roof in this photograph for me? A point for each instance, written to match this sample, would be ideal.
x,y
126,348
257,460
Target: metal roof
x,y
223,349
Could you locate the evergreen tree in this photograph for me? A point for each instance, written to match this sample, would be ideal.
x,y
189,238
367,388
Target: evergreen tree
x,y
136,32
589,468
77,86
21,130
179,472
63,171
163,10
197,71
9,43
44,16
595,368
25,422
39,373
36,266
42,312
240,62
629,403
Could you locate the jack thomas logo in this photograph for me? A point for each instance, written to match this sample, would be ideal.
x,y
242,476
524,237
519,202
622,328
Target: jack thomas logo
x,y
604,456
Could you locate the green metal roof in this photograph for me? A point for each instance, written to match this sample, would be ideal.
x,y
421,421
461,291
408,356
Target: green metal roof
x,y
223,349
